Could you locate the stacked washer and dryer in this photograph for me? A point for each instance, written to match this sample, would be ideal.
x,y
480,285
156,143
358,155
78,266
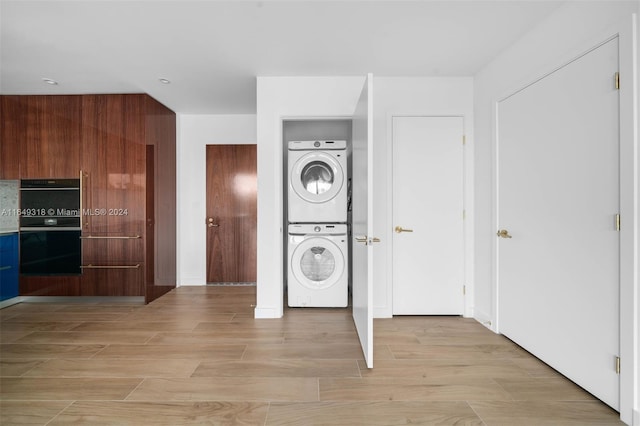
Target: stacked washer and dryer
x,y
318,249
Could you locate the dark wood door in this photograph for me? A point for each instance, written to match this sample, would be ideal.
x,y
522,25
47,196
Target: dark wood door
x,y
231,213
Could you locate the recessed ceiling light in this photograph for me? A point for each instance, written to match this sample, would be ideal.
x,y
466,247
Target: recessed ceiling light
x,y
164,81
50,81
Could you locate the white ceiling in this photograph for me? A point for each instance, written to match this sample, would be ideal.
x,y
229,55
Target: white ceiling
x,y
211,51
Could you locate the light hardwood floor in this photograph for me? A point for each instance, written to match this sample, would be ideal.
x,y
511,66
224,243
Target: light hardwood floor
x,y
197,356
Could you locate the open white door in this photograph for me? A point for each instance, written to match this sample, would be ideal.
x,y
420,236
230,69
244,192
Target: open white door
x,y
362,219
558,197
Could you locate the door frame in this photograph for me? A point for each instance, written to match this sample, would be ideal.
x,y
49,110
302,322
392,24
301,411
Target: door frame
x,y
206,202
629,194
467,194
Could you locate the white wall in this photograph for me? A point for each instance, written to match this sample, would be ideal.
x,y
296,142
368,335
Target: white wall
x,y
414,96
280,98
195,132
573,29
322,97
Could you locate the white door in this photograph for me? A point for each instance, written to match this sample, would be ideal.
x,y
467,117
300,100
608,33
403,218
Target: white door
x,y
362,219
428,239
558,196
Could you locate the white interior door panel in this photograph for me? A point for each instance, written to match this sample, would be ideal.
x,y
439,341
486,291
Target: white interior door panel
x,y
558,196
362,219
428,240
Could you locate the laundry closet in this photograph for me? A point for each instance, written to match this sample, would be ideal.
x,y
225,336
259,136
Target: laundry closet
x,y
317,212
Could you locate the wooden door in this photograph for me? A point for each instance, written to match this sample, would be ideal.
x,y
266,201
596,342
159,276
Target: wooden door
x,y
362,219
558,197
428,254
231,220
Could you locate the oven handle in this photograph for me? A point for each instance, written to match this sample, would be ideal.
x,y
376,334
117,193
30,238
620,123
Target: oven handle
x,y
111,237
90,266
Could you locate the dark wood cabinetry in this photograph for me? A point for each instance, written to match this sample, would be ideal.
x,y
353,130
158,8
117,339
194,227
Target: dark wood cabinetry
x,y
13,119
123,148
114,194
41,137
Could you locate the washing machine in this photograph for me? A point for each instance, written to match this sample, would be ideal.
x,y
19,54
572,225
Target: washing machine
x,y
318,265
317,181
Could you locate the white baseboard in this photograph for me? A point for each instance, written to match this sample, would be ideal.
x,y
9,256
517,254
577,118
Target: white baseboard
x,y
382,312
484,319
9,302
72,299
265,313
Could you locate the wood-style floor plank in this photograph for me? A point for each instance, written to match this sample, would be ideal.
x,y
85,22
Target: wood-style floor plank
x,y
198,356
38,351
385,389
98,368
545,413
30,413
227,389
303,351
108,413
86,337
279,368
442,369
200,351
64,388
372,413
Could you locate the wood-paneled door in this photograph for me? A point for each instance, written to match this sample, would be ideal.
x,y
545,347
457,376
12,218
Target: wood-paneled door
x,y
231,220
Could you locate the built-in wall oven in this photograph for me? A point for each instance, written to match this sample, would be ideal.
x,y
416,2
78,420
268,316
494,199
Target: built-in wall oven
x,y
50,212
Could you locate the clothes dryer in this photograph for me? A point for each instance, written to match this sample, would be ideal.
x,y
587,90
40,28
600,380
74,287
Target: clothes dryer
x,y
318,265
317,181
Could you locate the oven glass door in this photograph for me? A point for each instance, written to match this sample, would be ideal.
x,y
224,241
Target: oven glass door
x,y
49,252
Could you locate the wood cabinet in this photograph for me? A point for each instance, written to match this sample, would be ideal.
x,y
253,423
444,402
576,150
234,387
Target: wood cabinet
x,y
114,194
41,137
123,147
13,116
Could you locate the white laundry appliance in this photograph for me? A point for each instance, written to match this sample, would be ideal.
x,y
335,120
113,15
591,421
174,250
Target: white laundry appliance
x,y
318,265
317,181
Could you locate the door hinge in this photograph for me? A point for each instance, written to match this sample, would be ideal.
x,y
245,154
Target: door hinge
x,y
464,139
618,222
617,365
617,80
464,289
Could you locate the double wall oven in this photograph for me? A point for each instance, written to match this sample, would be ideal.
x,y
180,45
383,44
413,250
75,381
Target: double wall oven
x,y
50,214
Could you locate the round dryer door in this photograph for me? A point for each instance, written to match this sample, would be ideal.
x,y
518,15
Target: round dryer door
x,y
317,177
317,263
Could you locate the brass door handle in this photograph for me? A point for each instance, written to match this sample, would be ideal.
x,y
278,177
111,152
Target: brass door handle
x,y
400,229
210,223
374,240
364,240
503,233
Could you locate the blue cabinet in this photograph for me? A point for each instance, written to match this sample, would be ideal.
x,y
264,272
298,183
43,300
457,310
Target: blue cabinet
x,y
8,266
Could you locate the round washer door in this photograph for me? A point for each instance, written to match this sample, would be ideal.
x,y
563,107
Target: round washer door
x,y
317,263
317,177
